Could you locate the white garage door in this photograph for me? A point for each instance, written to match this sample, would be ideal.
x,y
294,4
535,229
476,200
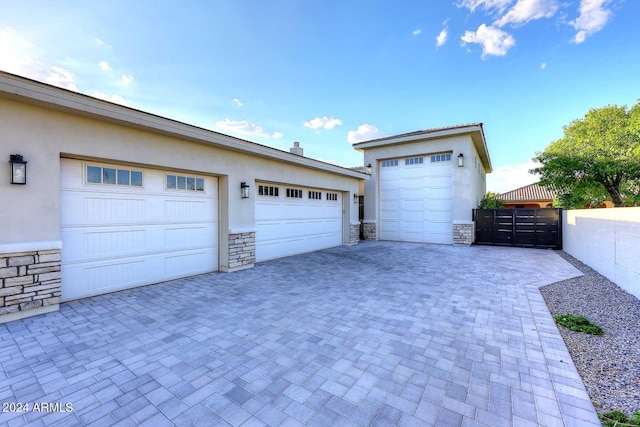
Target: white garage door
x,y
125,226
415,199
293,220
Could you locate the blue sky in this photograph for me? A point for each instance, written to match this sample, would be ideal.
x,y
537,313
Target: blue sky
x,y
330,73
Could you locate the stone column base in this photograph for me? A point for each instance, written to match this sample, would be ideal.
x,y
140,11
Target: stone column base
x,y
242,250
369,230
354,234
30,283
464,232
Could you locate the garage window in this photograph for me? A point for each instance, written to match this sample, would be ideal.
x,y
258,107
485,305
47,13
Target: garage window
x,y
114,176
267,190
389,163
414,161
440,158
294,193
182,182
315,195
332,196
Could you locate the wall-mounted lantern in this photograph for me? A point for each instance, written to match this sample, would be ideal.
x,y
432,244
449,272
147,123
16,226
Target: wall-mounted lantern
x,y
369,168
460,160
244,190
18,169
356,199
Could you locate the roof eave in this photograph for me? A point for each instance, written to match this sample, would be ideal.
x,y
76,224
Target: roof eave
x,y
475,130
44,95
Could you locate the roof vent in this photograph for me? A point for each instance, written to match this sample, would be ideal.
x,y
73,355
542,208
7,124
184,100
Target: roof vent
x,y
296,149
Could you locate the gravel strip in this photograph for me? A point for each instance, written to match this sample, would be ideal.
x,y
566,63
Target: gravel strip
x,y
610,364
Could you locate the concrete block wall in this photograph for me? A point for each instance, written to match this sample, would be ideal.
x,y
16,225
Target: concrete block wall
x,y
607,240
30,282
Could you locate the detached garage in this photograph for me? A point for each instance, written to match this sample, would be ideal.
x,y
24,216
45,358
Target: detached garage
x,y
424,185
116,198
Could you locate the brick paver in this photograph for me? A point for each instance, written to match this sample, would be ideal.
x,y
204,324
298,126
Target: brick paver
x,y
381,333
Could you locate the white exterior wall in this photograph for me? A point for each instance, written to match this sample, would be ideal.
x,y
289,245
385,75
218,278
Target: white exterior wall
x,y
607,240
43,136
468,183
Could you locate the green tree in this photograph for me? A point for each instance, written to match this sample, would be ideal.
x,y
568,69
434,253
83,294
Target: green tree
x,y
489,201
599,153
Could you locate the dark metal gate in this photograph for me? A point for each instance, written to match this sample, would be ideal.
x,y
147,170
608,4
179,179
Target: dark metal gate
x,y
532,228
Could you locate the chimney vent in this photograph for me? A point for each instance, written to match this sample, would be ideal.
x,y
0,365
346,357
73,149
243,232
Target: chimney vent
x,y
296,149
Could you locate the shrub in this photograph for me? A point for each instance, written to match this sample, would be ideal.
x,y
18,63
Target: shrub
x,y
578,324
619,419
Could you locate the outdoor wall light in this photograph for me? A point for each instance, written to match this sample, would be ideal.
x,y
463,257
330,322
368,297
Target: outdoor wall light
x,y
18,169
369,168
356,198
460,160
244,190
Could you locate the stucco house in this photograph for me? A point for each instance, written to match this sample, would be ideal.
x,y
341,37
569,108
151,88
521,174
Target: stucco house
x,y
99,197
424,185
117,198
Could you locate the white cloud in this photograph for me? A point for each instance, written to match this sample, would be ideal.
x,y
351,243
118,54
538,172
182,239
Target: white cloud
x,y
364,132
277,135
528,10
488,5
126,80
323,123
243,127
593,17
442,37
416,32
61,78
543,65
237,102
104,66
17,57
493,40
510,177
103,43
117,99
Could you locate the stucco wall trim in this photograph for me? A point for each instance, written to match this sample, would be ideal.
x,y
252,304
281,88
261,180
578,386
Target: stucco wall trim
x,y
46,245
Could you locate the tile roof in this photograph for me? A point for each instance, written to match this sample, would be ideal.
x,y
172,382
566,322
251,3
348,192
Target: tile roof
x,y
528,192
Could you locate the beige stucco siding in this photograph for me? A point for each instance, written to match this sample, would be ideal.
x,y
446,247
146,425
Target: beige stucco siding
x,y
42,136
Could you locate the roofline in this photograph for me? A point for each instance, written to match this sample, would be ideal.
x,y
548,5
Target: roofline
x,y
475,130
33,92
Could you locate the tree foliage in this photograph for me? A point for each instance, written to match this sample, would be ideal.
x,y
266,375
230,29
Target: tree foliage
x,y
598,155
489,201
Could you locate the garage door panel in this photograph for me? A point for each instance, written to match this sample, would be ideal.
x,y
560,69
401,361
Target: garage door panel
x,y
439,182
115,236
389,195
389,214
178,210
190,236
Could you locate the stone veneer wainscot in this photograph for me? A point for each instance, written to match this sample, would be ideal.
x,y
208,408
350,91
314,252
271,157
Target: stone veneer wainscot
x,y
30,283
369,230
464,233
242,249
354,234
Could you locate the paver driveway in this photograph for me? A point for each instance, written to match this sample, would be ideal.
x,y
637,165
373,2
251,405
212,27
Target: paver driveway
x,y
380,333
